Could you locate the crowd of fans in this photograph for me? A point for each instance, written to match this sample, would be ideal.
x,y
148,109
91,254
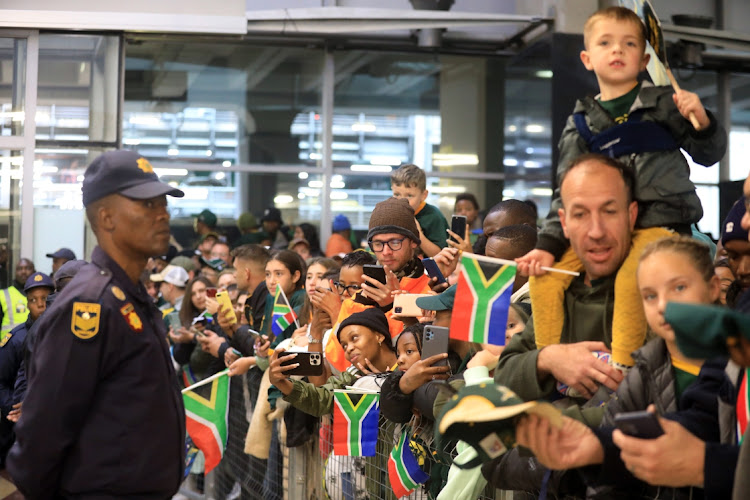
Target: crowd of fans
x,y
594,345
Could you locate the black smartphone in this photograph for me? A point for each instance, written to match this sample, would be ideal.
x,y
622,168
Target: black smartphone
x,y
310,363
640,424
374,271
458,225
433,271
435,341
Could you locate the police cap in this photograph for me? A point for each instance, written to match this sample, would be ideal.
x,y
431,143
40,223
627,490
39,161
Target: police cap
x,y
124,172
38,279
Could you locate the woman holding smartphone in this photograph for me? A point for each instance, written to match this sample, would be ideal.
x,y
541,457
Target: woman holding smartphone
x,y
195,364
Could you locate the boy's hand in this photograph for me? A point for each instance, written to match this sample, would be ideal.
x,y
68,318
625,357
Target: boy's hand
x,y
687,103
532,263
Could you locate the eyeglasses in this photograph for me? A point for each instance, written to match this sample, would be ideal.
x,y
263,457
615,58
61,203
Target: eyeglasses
x,y
377,246
341,288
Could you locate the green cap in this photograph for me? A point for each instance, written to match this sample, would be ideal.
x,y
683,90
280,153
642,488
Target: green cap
x,y
440,302
207,217
702,330
482,416
246,220
184,262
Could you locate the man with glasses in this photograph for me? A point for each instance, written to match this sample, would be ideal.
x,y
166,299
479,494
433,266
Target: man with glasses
x,y
394,238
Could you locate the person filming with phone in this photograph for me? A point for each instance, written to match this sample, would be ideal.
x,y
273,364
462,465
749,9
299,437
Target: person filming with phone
x,y
394,238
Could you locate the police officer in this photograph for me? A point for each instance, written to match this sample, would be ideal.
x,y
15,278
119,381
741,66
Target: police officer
x,y
103,416
37,288
60,257
13,308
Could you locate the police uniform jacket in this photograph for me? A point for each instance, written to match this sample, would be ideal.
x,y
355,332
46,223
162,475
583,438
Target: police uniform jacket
x,y
11,357
103,417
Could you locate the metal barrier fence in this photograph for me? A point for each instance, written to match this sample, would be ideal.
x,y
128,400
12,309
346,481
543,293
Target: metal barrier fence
x,y
310,470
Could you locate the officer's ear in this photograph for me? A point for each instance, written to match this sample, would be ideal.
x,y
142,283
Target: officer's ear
x,y
102,218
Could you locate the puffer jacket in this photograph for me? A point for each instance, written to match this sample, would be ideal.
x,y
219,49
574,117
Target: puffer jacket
x,y
665,194
650,381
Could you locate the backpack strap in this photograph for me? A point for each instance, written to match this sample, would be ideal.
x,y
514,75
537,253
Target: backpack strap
x,y
624,139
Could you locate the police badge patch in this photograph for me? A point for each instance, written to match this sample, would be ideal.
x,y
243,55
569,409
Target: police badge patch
x,y
85,320
134,321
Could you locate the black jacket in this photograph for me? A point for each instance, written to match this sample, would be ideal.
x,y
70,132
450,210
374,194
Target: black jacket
x,y
103,416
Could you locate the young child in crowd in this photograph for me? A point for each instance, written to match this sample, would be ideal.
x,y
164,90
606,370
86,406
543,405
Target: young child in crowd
x,y
409,182
676,269
645,127
409,346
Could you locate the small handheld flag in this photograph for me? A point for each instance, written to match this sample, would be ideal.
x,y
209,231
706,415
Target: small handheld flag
x,y
355,423
206,410
480,309
282,315
404,472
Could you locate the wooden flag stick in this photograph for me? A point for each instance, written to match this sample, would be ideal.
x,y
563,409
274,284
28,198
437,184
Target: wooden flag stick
x,y
512,263
206,381
283,295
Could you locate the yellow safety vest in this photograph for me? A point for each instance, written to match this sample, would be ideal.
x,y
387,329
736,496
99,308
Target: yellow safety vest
x,y
15,310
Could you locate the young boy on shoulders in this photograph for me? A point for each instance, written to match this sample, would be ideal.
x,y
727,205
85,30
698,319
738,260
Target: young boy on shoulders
x,y
645,127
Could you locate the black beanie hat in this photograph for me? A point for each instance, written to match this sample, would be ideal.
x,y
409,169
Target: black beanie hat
x,y
372,318
393,215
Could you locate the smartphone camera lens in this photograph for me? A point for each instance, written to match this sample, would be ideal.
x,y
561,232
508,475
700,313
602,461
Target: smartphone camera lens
x,y
398,310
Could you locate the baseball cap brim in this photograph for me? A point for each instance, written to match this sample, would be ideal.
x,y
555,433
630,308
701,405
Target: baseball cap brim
x,y
475,408
151,190
440,302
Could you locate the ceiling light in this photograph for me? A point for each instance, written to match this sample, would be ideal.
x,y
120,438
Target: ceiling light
x,y
370,168
283,199
534,128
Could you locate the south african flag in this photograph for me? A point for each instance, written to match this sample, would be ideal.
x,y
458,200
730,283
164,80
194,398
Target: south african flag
x,y
206,410
282,315
355,423
480,309
403,469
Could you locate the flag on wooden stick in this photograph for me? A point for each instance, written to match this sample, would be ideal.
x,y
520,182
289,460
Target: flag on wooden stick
x,y
480,309
282,315
355,423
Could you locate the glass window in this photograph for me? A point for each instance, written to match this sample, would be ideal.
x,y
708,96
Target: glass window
x,y
12,85
528,131
221,102
11,172
78,93
430,110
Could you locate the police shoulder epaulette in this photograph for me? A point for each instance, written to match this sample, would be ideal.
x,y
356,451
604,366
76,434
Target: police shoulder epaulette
x,y
96,281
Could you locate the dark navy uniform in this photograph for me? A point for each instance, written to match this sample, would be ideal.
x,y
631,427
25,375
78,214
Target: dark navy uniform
x,y
11,357
103,416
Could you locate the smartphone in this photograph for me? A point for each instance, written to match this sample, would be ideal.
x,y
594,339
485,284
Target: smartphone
x,y
433,271
173,320
197,332
640,424
211,292
374,271
224,301
310,364
458,225
405,304
435,341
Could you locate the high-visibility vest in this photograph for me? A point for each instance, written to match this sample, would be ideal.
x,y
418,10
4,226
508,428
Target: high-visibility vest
x,y
15,310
